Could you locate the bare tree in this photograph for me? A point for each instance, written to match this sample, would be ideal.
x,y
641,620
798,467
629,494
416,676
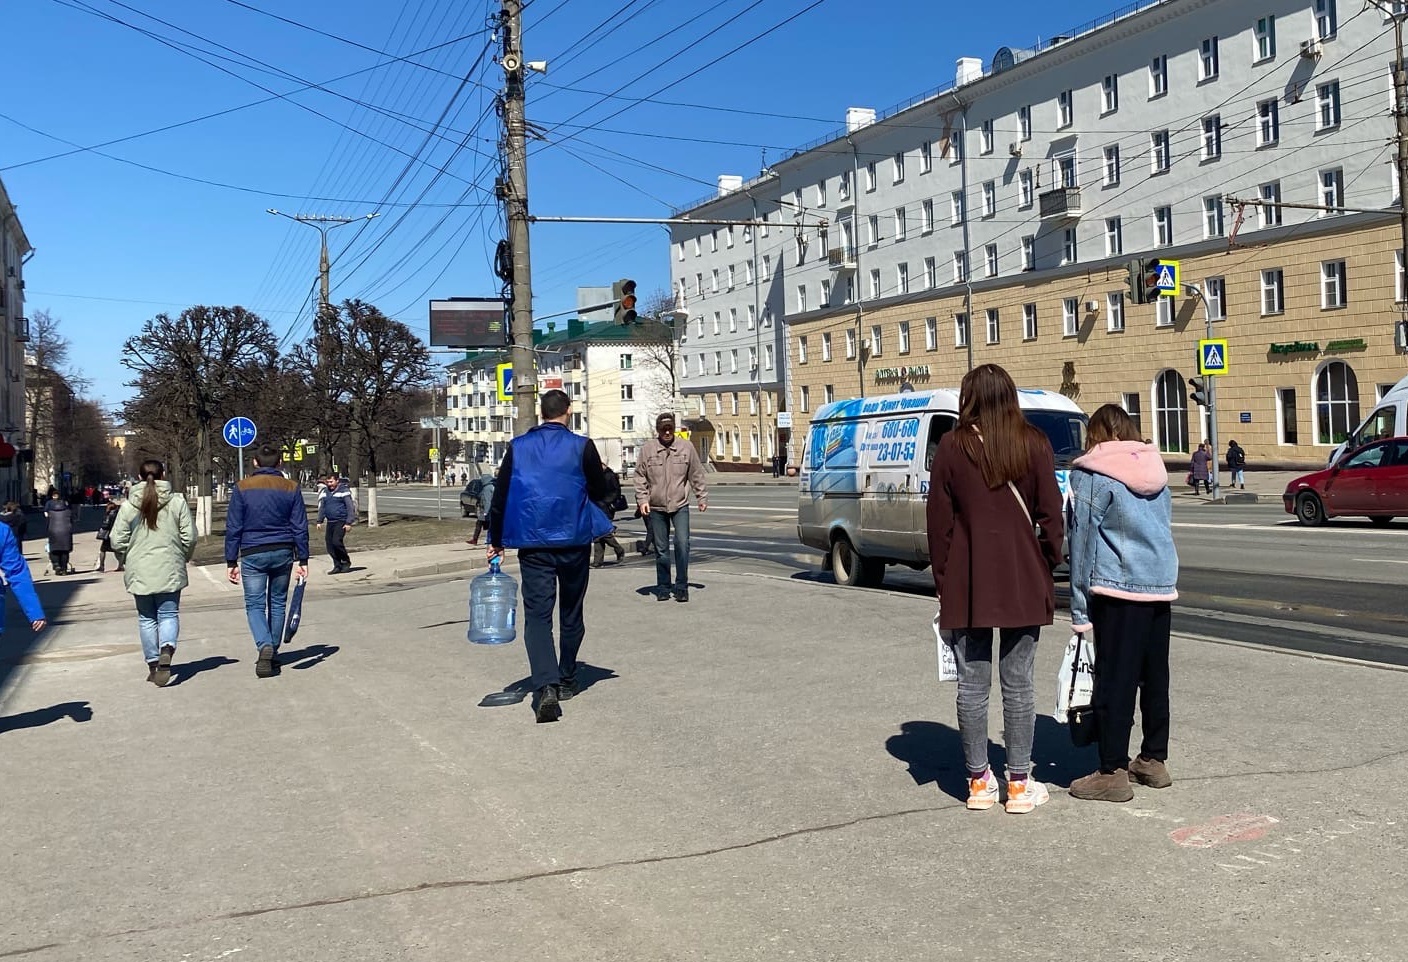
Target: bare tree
x,y
659,348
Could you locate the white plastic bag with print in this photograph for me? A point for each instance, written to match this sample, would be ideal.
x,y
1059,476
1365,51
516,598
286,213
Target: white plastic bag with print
x,y
948,661
1075,682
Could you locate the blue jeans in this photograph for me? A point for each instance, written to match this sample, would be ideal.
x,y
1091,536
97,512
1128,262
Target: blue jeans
x,y
158,622
265,576
660,523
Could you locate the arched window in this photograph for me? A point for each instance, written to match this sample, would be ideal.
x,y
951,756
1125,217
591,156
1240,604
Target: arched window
x,y
1336,402
1170,411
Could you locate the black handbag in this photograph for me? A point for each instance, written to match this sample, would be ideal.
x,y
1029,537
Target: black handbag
x,y
1081,721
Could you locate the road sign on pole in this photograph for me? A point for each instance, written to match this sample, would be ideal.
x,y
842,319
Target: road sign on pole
x,y
504,382
1212,356
239,434
1168,277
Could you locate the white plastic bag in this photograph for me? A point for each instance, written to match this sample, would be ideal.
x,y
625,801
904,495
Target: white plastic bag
x,y
1075,682
948,661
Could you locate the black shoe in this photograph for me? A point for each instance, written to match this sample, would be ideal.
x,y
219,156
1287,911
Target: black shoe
x,y
335,570
620,556
547,707
662,594
151,672
594,564
566,688
264,667
162,676
682,595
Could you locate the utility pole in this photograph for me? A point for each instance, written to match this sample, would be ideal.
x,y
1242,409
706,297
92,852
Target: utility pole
x,y
525,377
1400,114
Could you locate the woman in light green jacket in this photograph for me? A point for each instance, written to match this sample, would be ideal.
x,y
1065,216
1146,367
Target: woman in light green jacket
x,y
154,537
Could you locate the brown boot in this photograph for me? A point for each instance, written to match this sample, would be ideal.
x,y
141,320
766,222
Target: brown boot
x,y
1099,787
1150,772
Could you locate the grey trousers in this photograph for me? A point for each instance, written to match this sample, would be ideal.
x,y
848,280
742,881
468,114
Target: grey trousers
x,y
1016,660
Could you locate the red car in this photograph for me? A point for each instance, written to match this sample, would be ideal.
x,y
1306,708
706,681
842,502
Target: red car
x,y
1369,482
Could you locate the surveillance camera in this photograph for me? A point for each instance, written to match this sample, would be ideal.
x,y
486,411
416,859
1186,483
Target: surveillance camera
x,y
1192,290
538,66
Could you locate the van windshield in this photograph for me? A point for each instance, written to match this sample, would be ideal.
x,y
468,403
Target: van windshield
x,y
1066,431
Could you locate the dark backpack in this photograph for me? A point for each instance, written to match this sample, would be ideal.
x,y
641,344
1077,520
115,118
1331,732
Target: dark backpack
x,y
476,487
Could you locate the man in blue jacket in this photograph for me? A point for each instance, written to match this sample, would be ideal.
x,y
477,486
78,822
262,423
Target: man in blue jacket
x,y
266,531
544,506
18,578
338,509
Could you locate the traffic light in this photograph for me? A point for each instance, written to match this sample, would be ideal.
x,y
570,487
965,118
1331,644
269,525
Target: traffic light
x,y
1135,270
623,292
1200,391
1151,281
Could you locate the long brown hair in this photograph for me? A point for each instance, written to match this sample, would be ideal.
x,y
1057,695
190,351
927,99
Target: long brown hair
x,y
152,472
1110,422
991,428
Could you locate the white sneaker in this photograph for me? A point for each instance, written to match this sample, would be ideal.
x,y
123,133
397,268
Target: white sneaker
x,y
1025,795
982,792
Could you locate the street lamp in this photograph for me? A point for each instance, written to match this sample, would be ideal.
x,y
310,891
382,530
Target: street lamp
x,y
323,223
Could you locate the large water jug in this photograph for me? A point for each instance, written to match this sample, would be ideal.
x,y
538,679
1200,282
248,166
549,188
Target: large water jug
x,y
493,607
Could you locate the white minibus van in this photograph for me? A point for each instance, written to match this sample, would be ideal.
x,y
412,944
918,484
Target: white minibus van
x,y
1388,419
864,479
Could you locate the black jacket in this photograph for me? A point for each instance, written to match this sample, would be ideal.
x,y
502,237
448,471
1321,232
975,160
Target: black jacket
x,y
1236,457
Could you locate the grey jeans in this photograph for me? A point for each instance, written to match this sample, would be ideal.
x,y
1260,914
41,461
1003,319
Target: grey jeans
x,y
972,649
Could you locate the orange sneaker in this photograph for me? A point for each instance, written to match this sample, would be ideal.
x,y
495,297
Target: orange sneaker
x,y
982,792
1025,795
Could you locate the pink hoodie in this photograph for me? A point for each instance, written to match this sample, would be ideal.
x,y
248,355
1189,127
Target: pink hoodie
x,y
1134,464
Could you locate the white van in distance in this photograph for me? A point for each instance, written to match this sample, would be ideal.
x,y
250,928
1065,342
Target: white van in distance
x,y
864,478
1389,419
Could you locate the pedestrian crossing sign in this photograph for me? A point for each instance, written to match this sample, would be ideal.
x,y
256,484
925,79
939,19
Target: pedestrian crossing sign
x,y
1212,356
504,382
1166,278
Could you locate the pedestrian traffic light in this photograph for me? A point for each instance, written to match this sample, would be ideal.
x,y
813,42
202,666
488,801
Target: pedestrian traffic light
x,y
623,292
1135,274
1200,391
1151,281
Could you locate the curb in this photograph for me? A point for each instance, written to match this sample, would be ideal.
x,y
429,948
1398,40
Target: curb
x,y
439,568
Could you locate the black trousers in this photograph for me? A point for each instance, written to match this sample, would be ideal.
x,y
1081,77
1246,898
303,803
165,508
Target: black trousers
x,y
334,533
553,576
1131,656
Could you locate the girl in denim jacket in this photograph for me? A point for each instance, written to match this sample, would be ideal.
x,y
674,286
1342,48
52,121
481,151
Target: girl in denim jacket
x,y
1124,573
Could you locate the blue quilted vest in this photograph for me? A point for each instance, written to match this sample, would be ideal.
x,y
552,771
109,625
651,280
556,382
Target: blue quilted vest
x,y
547,493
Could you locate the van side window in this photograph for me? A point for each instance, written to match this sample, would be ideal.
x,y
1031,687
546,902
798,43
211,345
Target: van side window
x,y
939,425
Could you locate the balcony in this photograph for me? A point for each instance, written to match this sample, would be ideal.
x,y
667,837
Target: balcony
x,y
1063,203
841,259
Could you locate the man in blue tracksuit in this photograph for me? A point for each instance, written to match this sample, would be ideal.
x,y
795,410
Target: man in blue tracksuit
x,y
266,531
544,506
338,509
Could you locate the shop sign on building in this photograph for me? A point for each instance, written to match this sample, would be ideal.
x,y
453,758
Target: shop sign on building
x,y
911,372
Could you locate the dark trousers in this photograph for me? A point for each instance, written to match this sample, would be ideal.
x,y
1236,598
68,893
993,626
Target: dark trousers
x,y
335,532
660,523
1131,655
600,545
545,572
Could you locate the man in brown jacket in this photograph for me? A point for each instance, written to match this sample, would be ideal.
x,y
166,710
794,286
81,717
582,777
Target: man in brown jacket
x,y
665,472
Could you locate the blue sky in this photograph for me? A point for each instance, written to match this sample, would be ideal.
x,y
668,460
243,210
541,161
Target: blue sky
x,y
118,241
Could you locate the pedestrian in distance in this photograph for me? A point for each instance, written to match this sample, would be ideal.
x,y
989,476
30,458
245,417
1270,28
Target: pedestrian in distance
x,y
1198,470
14,518
612,502
485,500
995,530
266,542
1237,464
667,471
105,535
337,509
154,538
1124,574
59,516
545,506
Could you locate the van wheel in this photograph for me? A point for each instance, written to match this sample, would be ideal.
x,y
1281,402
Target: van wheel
x,y
464,512
853,570
1309,510
1381,520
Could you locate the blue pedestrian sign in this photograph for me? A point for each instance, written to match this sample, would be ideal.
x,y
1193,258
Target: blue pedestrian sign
x,y
1212,356
1166,277
239,432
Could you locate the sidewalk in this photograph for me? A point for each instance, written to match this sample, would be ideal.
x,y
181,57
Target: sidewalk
x,y
769,772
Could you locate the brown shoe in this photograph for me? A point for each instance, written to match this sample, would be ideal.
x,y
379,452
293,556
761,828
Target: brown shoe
x,y
1099,787
162,676
1150,772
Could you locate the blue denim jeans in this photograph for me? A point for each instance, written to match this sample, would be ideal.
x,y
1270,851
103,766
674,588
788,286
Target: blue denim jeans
x,y
265,576
158,622
660,523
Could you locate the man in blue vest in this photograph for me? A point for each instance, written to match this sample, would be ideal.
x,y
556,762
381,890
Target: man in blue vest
x,y
544,506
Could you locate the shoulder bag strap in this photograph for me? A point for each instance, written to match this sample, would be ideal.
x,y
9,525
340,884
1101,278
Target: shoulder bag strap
x,y
1022,503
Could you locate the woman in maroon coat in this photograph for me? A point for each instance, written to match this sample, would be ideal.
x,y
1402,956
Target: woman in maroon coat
x,y
995,535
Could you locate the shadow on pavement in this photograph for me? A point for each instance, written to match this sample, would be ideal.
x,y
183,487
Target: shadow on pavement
x,y
516,692
934,753
79,711
308,657
182,672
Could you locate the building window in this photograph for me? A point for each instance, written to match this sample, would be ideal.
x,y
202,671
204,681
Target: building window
x,y
931,333
821,193
990,260
955,207
904,337
900,224
1163,312
1333,292
801,243
713,241
1170,412
955,144
1112,165
1163,226
767,357
960,267
1158,77
874,283
1264,39
1110,94
1212,217
901,278
1114,321
850,345
1332,191
1070,317
628,392
1207,61
1131,405
1273,293
826,347
628,423
728,236
828,393
718,362
1114,236
733,406
1069,251
843,189
1269,210
989,199
1065,110
875,340
1286,416
732,276
898,169
1160,156
625,362
733,320
1024,122
801,298
1029,322
1326,19
926,157
960,330
872,227
1327,105
802,349
926,216
1066,170
1336,402
697,250
714,280
825,293
681,251
806,398
1400,285
1026,189
1212,137
1029,252
1215,298
994,326
985,138
931,273
752,360
719,409
752,315
733,364
1268,122
767,266
870,177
